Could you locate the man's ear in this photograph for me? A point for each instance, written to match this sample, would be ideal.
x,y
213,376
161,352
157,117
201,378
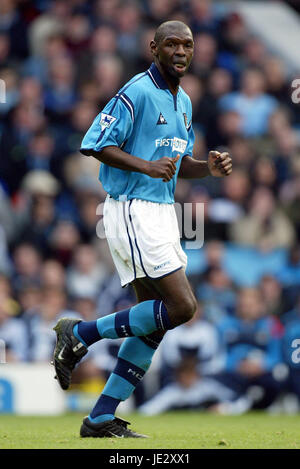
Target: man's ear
x,y
153,48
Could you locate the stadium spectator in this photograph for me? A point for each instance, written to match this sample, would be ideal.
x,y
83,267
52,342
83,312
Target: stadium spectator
x,y
203,16
24,122
199,195
253,344
60,94
53,274
85,274
205,55
48,24
40,152
37,66
29,296
13,331
188,391
144,57
105,12
217,294
254,52
31,92
264,173
92,368
27,265
196,338
77,34
64,239
37,214
289,273
229,126
128,26
104,41
108,71
14,25
233,199
290,195
41,320
113,296
276,79
251,103
264,225
271,291
233,37
160,10
219,83
5,61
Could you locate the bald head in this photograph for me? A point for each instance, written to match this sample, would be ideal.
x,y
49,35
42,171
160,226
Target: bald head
x,y
170,27
172,50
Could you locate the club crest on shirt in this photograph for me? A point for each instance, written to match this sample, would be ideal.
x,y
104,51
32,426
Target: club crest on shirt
x,y
106,120
185,119
187,125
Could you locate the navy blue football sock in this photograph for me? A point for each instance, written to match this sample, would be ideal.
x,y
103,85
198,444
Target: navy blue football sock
x,y
134,358
86,332
140,320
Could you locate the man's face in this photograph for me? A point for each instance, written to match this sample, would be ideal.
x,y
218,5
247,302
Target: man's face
x,y
175,52
250,304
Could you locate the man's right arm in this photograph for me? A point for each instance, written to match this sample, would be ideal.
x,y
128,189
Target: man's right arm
x,y
163,168
107,134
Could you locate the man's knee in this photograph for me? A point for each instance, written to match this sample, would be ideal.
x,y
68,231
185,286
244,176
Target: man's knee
x,y
183,311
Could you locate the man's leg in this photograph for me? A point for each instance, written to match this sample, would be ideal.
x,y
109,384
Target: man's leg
x,y
144,291
134,359
177,295
176,305
135,354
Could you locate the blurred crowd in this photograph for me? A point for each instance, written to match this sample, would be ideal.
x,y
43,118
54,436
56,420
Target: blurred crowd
x,y
61,61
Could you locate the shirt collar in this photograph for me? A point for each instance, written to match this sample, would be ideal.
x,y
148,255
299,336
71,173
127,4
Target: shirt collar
x,y
156,77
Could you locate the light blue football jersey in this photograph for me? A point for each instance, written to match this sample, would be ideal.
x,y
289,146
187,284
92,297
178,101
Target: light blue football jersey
x,y
146,120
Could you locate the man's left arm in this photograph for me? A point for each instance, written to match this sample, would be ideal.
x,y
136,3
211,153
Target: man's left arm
x,y
218,165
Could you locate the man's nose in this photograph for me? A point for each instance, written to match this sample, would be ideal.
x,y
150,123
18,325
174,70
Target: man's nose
x,y
180,50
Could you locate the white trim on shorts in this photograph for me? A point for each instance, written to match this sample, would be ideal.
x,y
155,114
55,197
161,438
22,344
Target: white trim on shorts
x,y
129,255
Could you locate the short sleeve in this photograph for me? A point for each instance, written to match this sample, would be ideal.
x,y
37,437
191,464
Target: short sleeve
x,y
113,126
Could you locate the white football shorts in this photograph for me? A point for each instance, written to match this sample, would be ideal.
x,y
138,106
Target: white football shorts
x,y
143,238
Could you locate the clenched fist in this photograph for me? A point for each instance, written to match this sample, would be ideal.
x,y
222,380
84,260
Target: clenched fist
x,y
219,164
164,168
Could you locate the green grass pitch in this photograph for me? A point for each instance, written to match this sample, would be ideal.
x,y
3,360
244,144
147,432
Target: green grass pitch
x,y
184,430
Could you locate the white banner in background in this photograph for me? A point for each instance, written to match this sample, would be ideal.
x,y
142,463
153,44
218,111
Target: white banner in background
x,y
29,389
